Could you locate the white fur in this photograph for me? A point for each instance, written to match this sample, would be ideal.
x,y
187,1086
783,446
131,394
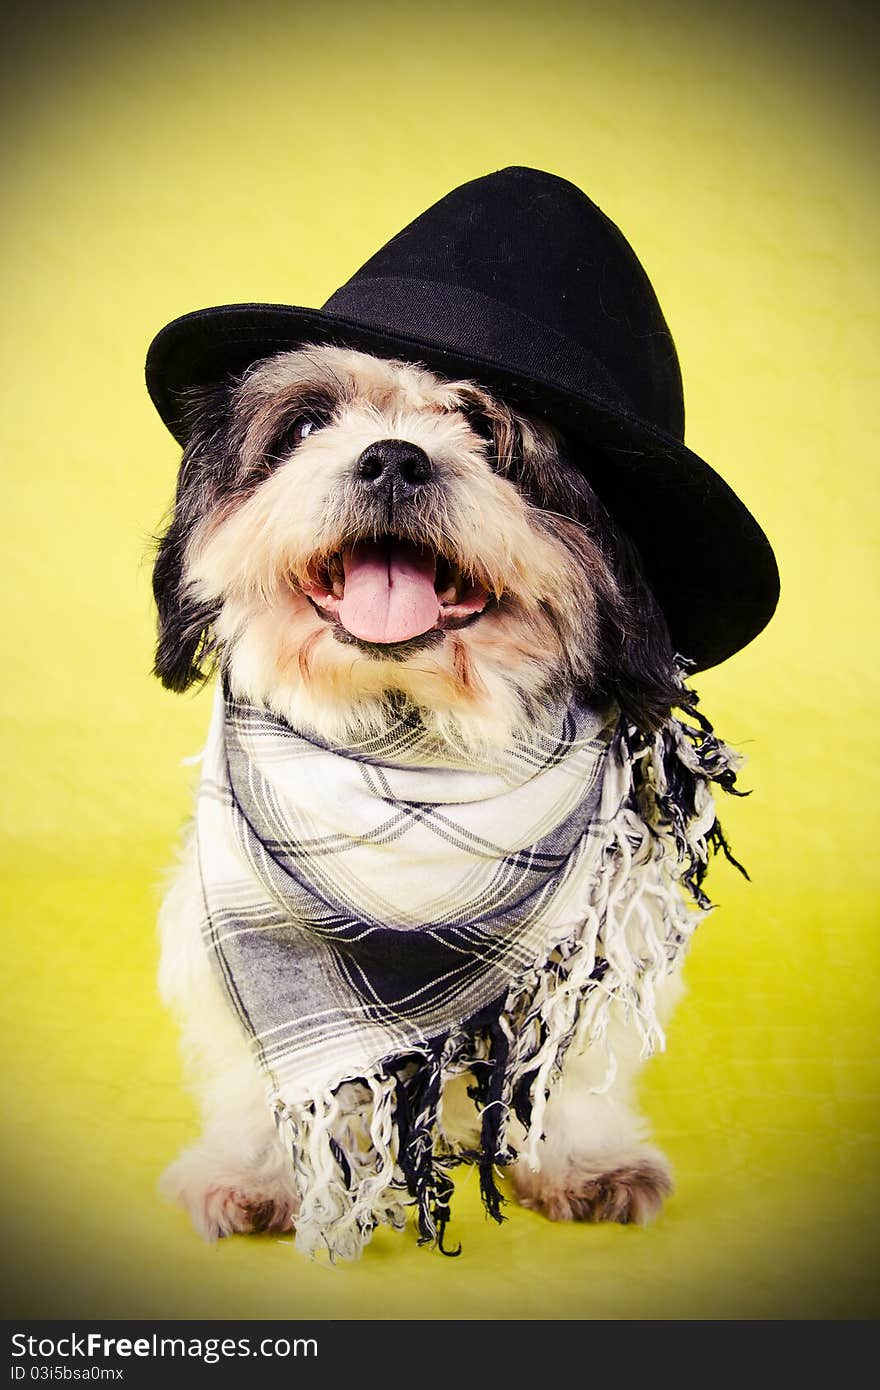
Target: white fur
x,y
238,1157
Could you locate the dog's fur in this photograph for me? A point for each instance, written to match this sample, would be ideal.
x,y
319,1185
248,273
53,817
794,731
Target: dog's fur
x,y
270,495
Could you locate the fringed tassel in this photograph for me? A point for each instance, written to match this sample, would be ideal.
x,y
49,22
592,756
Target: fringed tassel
x,y
636,922
673,775
343,1148
490,1037
418,1086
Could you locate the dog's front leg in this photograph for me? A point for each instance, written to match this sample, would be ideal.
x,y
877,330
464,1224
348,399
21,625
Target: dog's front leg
x,y
237,1176
594,1162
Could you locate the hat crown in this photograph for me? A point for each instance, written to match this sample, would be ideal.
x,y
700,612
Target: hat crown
x,y
535,243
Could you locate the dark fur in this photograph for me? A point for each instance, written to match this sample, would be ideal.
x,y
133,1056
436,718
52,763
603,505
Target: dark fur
x,y
208,471
633,661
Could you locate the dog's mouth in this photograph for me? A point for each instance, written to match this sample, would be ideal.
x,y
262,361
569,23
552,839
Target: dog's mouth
x,y
390,590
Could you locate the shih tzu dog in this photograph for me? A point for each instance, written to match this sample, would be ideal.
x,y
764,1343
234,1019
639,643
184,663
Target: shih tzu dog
x,y
445,548
350,533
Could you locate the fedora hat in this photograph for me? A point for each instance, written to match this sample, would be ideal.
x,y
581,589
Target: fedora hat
x,y
518,281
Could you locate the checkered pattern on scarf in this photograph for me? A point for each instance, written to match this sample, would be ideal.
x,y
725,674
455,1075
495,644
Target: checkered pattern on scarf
x,y
363,900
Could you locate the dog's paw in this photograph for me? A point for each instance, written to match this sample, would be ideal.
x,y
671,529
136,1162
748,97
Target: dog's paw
x,y
631,1191
224,1206
228,1211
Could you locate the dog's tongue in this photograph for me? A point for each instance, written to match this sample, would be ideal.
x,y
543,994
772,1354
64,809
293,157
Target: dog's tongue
x,y
389,591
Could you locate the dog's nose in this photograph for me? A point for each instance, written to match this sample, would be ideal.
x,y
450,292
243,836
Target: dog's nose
x,y
394,465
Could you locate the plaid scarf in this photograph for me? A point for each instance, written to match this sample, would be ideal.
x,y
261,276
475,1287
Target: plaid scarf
x,y
386,915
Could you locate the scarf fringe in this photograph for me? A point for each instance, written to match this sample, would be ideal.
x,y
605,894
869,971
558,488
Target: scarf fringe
x,y
366,1150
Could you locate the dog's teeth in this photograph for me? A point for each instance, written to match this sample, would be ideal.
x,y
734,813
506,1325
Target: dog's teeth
x,y
447,595
336,575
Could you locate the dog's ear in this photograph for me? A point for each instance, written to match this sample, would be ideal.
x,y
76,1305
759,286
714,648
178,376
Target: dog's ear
x,y
631,657
639,658
184,647
634,661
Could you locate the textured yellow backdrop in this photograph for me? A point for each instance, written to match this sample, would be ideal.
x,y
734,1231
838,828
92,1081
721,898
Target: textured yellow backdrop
x,y
159,160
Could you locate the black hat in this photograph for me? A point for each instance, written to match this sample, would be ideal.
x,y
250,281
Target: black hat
x,y
517,280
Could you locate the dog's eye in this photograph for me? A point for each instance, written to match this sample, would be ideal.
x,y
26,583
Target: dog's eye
x,y
299,429
481,426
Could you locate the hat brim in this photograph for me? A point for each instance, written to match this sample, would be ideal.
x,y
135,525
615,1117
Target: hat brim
x,y
708,562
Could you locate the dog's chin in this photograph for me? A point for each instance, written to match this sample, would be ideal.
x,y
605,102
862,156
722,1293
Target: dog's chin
x,y
387,651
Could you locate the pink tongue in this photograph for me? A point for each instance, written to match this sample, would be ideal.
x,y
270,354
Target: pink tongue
x,y
389,591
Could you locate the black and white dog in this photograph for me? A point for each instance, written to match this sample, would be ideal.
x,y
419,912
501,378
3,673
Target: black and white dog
x,y
351,531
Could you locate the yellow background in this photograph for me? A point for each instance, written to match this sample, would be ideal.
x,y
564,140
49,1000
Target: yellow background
x,y
162,159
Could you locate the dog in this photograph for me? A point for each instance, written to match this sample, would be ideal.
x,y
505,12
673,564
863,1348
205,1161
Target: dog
x,y
352,535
